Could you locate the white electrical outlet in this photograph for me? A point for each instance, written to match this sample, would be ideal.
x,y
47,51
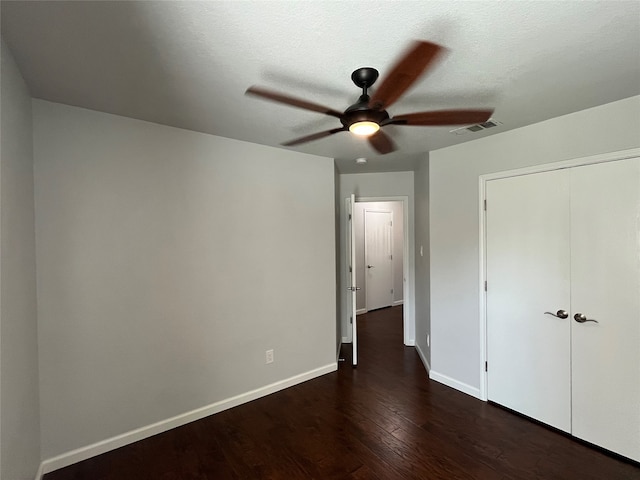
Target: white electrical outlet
x,y
269,356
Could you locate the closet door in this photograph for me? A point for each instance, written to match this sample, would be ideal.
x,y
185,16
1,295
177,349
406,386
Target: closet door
x,y
605,264
528,274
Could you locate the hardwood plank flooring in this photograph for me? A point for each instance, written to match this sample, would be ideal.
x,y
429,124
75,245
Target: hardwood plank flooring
x,y
383,420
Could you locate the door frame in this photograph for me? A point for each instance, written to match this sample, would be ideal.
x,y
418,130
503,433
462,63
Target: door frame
x,y
408,315
364,235
353,274
482,184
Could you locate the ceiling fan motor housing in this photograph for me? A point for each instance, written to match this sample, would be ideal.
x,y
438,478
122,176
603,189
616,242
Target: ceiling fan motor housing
x,y
361,112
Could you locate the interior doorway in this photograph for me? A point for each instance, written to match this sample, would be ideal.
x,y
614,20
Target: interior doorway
x,y
379,234
354,303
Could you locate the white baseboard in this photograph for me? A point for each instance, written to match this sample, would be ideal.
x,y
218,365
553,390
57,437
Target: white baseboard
x,y
40,471
451,382
423,357
361,311
398,302
118,441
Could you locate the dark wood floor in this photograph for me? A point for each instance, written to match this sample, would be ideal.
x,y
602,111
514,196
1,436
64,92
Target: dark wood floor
x,y
383,420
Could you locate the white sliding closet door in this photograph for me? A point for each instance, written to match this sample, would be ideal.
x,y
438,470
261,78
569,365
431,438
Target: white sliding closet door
x,y
528,270
605,265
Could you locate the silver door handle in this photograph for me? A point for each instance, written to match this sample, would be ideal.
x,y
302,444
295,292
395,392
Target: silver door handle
x,y
582,318
558,314
369,266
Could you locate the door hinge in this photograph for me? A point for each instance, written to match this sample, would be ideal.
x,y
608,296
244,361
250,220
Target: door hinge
x,y
350,270
485,285
350,319
349,216
392,291
390,257
485,204
486,366
391,223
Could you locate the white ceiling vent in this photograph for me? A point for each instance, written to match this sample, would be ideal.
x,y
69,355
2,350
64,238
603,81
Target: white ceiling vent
x,y
476,128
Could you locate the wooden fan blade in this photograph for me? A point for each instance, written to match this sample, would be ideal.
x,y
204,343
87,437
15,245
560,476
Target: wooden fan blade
x,y
382,142
442,117
312,137
405,72
294,102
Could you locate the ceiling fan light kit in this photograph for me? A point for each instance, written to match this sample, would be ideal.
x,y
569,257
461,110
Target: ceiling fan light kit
x,y
364,129
366,117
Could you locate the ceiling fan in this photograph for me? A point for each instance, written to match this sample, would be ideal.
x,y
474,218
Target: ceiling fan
x,y
369,114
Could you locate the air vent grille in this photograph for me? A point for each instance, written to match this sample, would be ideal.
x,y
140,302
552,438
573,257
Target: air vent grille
x,y
489,124
476,128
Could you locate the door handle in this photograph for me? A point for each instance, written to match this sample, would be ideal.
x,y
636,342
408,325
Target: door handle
x,y
369,266
582,318
559,314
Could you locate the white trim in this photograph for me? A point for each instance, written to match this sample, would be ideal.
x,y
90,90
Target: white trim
x,y
483,295
483,179
574,162
118,441
397,303
354,280
40,471
450,382
361,311
348,263
423,357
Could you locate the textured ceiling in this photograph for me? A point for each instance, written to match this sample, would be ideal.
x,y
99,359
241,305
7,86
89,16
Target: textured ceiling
x,y
187,64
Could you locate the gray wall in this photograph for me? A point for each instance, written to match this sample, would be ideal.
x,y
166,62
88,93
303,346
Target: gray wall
x,y
423,322
168,262
376,185
398,244
20,414
454,222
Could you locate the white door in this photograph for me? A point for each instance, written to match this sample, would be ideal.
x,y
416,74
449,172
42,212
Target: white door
x,y
378,259
605,264
552,237
528,243
352,274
